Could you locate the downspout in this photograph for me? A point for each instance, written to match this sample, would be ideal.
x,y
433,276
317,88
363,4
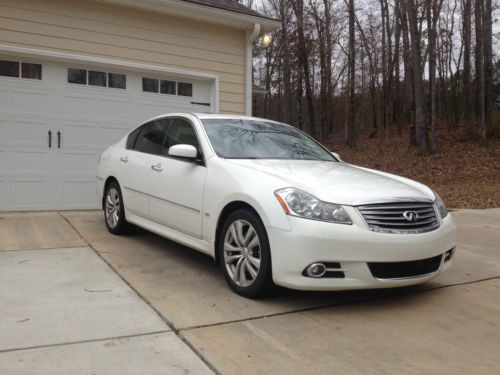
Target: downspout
x,y
251,35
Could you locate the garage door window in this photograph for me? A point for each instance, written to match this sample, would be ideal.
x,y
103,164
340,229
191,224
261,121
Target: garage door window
x,y
150,85
31,71
16,69
166,87
77,76
184,89
97,78
117,81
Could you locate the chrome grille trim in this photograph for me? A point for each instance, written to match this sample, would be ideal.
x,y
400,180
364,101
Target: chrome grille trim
x,y
388,217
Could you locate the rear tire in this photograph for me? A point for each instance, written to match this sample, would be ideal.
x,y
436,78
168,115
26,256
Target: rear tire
x,y
114,212
245,254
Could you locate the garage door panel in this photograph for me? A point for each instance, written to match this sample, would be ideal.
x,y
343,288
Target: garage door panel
x,y
29,102
4,133
117,109
4,99
30,162
79,106
75,163
29,134
79,135
4,195
79,194
28,194
4,162
109,136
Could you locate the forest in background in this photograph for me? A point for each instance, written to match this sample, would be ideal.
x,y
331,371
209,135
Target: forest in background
x,y
345,70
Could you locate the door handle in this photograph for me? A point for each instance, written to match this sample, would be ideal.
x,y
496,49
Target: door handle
x,y
58,139
124,158
157,167
50,138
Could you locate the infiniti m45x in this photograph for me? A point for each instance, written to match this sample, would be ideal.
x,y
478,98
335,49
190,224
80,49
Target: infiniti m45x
x,y
273,206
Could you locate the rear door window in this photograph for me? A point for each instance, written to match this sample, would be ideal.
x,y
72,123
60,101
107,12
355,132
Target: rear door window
x,y
150,138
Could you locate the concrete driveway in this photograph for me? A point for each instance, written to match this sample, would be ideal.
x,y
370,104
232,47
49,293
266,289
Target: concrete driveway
x,y
74,298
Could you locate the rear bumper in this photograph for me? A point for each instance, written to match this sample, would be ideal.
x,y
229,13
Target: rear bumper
x,y
353,246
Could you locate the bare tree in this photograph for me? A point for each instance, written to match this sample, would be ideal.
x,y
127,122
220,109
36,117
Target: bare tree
x,y
350,131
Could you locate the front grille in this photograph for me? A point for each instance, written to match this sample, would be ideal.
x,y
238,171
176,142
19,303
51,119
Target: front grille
x,y
400,217
398,270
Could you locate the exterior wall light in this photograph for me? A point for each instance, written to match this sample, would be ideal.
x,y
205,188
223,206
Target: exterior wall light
x,y
266,40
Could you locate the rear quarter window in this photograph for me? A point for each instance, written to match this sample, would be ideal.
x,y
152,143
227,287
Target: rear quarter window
x,y
132,138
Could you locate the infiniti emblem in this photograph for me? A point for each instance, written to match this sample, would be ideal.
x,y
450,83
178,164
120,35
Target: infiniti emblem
x,y
410,216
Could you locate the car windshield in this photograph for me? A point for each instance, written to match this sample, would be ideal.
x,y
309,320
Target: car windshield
x,y
254,139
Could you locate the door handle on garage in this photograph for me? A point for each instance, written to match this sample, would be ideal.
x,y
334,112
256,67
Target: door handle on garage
x,y
58,139
124,158
50,138
157,167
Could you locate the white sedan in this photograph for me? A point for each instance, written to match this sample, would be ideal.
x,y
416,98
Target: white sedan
x,y
273,206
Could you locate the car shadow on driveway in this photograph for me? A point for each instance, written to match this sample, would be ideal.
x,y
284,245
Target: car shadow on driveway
x,y
189,290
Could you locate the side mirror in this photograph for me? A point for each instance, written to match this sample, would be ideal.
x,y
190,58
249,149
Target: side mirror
x,y
183,151
336,155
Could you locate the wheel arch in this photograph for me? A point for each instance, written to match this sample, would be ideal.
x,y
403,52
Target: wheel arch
x,y
228,209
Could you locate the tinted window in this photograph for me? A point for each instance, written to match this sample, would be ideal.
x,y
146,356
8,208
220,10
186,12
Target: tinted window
x,y
167,87
9,68
151,138
252,139
31,71
184,89
132,137
78,76
149,85
179,132
97,78
117,81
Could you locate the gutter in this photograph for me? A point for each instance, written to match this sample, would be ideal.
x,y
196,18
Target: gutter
x,y
251,35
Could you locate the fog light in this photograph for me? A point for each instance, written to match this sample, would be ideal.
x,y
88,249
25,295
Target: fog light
x,y
316,270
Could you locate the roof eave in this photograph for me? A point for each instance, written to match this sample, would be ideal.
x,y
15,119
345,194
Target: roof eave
x,y
199,12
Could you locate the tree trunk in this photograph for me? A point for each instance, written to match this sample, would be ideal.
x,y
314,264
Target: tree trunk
x,y
350,131
488,65
298,6
418,92
467,11
479,54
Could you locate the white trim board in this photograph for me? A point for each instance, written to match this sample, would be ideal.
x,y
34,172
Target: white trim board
x,y
73,57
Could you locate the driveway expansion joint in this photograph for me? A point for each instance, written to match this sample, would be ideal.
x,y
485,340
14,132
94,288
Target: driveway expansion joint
x,y
85,341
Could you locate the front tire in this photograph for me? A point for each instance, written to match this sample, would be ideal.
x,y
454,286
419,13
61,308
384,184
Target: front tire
x,y
114,212
245,254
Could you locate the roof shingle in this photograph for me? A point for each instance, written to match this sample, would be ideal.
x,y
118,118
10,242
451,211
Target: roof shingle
x,y
230,5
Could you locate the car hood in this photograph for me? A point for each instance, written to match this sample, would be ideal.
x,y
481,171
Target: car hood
x,y
335,182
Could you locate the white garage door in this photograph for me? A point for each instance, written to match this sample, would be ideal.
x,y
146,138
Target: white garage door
x,y
56,118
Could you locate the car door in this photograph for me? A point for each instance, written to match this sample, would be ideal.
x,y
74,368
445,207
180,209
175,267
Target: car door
x,y
137,161
177,185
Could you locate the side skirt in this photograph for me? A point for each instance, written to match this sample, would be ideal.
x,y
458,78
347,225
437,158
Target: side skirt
x,y
171,234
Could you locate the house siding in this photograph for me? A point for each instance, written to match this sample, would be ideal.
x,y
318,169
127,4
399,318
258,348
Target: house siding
x,y
102,30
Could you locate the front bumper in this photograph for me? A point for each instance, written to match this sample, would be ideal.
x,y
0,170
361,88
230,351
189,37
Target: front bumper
x,y
353,246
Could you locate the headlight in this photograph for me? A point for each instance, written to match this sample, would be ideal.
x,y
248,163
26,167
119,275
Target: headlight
x,y
440,206
301,204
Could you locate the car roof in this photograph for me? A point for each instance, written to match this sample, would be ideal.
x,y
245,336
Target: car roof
x,y
204,116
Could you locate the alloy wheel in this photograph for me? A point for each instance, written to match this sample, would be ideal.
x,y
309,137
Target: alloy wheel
x,y
112,207
242,253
